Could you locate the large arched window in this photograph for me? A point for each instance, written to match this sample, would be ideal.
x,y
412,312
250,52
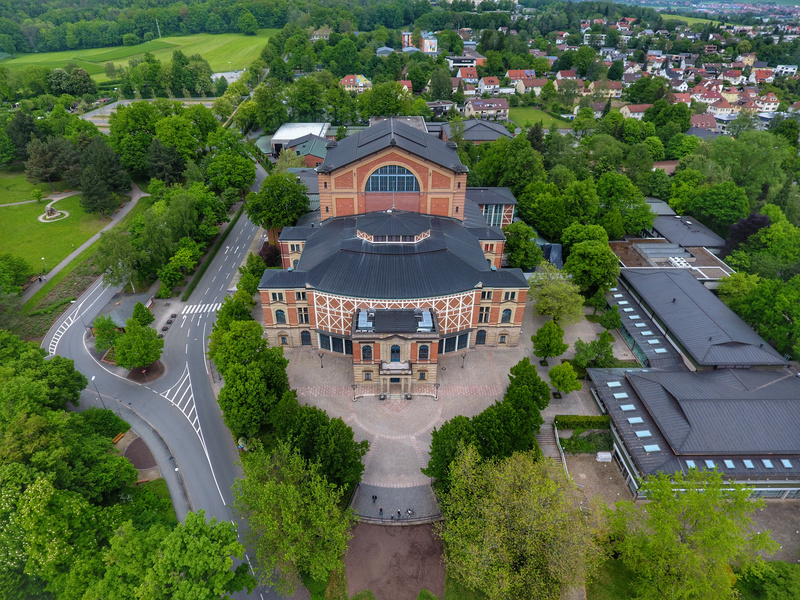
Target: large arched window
x,y
480,339
506,317
423,352
305,338
280,316
366,353
395,354
392,178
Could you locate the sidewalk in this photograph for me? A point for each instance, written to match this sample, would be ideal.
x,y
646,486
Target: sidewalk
x,y
136,194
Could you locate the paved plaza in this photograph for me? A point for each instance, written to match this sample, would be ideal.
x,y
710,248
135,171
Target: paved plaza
x,y
399,430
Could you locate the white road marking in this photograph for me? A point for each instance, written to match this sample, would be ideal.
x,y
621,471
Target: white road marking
x,y
207,289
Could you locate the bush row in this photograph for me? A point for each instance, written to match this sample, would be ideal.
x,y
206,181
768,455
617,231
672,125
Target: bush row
x,y
583,422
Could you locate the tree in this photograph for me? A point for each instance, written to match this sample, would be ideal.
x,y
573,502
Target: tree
x,y
294,514
555,295
281,200
20,128
228,170
164,162
598,353
194,560
616,70
247,23
106,333
584,120
577,233
788,129
138,347
50,160
441,86
102,177
511,163
96,196
619,197
142,314
683,544
117,258
592,265
611,319
513,528
719,206
288,159
548,341
564,379
521,249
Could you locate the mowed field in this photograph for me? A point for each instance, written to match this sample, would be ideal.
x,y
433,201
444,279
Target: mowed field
x,y
688,20
224,52
15,188
23,235
524,115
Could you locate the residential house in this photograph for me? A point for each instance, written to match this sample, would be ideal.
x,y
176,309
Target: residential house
x,y
686,98
570,74
468,75
519,74
406,83
312,148
440,107
478,131
355,83
530,85
721,107
768,102
495,109
704,121
597,109
606,89
734,76
761,76
488,85
456,62
634,111
785,70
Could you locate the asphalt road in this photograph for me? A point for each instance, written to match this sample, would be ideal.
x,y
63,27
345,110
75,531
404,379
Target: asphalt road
x,y
194,450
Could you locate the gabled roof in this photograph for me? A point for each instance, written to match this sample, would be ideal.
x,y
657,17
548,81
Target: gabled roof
x,y
480,130
309,144
708,331
490,195
386,134
687,232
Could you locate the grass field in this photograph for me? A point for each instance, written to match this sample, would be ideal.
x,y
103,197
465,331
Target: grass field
x,y
33,240
614,581
522,115
14,187
688,20
224,52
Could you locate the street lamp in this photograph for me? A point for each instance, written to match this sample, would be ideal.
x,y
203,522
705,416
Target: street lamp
x,y
354,386
463,359
436,385
99,397
321,366
45,264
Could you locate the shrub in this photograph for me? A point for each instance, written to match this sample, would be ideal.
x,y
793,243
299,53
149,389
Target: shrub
x,y
589,443
582,421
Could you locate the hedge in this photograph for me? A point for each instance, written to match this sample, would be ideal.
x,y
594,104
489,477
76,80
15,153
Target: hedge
x,y
582,422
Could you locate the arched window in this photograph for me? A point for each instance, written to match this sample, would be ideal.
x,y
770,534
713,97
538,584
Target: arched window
x,y
305,338
423,353
392,178
506,318
280,316
366,353
395,354
480,339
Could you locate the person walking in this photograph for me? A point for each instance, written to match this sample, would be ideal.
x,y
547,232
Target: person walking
x,y
380,511
374,497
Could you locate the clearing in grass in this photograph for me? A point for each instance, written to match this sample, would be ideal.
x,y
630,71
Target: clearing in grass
x,y
527,115
15,188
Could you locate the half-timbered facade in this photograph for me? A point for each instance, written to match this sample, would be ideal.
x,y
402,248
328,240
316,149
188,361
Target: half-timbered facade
x,y
403,264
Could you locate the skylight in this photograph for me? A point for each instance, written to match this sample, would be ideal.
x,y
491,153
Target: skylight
x,y
660,350
613,290
639,325
690,464
635,420
644,434
648,332
729,464
613,384
622,302
786,463
710,464
627,407
620,395
634,317
767,463
652,448
748,464
653,342
618,296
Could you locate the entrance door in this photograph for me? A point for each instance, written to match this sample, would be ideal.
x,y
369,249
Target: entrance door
x,y
395,387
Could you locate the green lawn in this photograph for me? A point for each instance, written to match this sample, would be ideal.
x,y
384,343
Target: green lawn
x,y
524,115
688,20
225,52
614,581
14,187
32,240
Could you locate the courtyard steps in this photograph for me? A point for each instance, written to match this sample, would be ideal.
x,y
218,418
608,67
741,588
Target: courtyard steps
x,y
546,439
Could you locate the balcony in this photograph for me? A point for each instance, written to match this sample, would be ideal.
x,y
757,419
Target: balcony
x,y
395,368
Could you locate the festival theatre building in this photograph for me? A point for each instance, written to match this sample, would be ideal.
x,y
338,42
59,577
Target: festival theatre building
x,y
402,263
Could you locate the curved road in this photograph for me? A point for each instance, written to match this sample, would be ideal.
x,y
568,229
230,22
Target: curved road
x,y
195,451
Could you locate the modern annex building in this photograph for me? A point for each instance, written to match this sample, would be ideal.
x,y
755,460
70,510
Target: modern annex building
x,y
402,263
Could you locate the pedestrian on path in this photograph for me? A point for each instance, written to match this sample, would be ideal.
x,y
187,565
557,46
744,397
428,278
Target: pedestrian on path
x,y
380,511
374,497
398,513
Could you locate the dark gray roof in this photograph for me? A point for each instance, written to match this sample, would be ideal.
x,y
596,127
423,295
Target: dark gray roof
x,y
395,321
707,330
120,307
480,130
393,223
659,207
490,195
388,133
703,134
687,231
307,177
733,415
337,261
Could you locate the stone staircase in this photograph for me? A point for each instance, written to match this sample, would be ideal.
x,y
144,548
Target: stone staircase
x,y
547,442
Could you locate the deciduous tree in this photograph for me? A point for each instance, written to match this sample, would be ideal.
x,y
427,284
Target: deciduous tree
x,y
280,202
138,347
592,265
513,528
521,249
684,541
548,341
555,295
564,379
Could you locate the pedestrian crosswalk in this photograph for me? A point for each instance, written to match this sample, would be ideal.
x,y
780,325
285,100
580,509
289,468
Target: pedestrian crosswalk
x,y
200,308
